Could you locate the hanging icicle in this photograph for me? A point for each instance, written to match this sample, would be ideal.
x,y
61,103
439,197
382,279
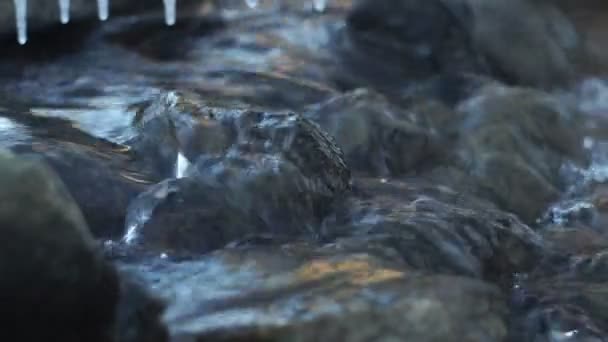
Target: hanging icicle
x,y
169,12
21,20
319,5
103,9
64,11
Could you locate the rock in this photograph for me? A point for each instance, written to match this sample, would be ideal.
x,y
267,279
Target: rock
x,y
139,314
589,20
54,280
252,173
377,137
513,143
567,301
302,293
100,175
225,200
194,127
455,36
415,40
433,228
537,24
448,89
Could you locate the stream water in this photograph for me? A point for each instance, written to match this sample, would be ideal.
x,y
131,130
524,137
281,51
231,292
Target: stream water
x,y
409,218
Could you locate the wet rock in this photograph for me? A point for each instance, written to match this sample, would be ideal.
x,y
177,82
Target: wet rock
x,y
574,241
415,40
434,228
183,122
538,24
300,293
455,36
377,137
252,173
99,175
448,89
564,297
512,145
54,280
589,19
224,200
559,306
139,314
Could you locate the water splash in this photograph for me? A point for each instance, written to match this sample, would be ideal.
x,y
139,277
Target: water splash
x,y
170,15
141,211
103,9
181,165
593,96
561,213
561,336
64,11
21,20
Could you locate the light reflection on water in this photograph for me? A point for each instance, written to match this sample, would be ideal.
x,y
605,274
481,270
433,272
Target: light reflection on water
x,y
110,122
12,133
591,98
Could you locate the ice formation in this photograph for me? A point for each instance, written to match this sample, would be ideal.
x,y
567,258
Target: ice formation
x,y
104,12
319,5
169,11
21,20
252,3
64,11
103,9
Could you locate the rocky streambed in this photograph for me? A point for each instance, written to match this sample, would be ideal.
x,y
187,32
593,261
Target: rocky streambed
x,y
378,171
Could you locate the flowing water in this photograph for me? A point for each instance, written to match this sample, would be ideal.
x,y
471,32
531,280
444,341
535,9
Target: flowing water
x,y
274,58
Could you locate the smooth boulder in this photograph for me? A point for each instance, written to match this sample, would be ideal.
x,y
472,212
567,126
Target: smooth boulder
x,y
54,280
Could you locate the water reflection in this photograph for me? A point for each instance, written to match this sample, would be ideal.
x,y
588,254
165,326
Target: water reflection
x,y
12,133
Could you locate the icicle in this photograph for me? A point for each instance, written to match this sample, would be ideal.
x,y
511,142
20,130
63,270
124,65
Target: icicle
x,y
252,3
169,12
64,11
103,9
21,20
319,5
